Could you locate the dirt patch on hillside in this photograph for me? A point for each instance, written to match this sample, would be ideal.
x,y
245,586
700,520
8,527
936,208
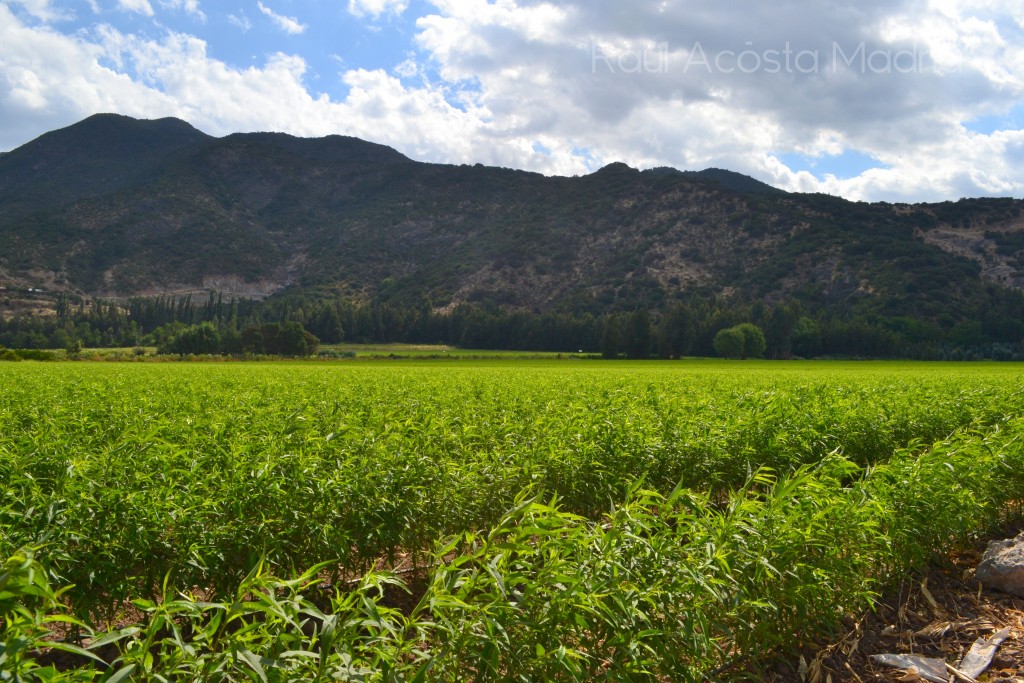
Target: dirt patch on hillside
x,y
974,244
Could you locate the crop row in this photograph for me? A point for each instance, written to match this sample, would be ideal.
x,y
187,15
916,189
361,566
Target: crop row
x,y
674,586
127,476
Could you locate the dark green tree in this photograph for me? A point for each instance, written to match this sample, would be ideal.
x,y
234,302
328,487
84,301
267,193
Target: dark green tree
x,y
328,325
677,331
806,338
637,337
196,339
611,339
296,341
753,340
778,331
252,340
729,343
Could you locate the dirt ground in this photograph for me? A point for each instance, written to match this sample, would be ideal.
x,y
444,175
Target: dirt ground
x,y
938,614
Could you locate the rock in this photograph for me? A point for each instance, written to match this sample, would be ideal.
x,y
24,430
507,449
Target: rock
x,y
1003,660
1002,566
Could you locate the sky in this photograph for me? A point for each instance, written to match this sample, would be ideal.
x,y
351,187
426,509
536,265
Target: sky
x,y
874,100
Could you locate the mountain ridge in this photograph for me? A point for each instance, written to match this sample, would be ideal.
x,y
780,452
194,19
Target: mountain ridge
x,y
115,207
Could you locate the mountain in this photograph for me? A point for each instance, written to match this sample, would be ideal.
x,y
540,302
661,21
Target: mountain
x,y
116,207
100,155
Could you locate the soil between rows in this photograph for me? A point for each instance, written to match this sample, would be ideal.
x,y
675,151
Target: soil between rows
x,y
906,622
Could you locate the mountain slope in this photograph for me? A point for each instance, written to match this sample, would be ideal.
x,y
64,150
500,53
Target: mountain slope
x,y
116,207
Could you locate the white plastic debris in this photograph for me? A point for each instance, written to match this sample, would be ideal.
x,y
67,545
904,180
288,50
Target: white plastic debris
x,y
930,669
978,659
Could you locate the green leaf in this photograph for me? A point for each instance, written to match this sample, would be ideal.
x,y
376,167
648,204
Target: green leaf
x,y
121,675
254,663
75,649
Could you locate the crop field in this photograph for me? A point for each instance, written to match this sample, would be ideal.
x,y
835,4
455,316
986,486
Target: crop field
x,y
568,520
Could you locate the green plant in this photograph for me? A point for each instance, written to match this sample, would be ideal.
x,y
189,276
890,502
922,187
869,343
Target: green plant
x,y
571,522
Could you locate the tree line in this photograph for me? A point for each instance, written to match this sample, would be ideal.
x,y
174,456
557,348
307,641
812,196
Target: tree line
x,y
296,325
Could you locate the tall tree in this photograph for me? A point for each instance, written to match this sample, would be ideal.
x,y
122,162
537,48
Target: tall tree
x,y
637,337
677,331
611,340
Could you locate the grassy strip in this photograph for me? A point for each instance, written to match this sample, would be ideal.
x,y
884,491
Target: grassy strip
x,y
664,587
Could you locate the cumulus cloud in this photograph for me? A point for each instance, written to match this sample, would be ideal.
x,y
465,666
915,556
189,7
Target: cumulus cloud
x,y
738,84
49,80
567,86
289,25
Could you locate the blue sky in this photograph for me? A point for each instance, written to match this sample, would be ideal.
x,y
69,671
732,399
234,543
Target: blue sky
x,y
243,34
1013,119
849,164
896,100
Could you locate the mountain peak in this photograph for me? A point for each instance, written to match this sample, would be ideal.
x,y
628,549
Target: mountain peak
x,y
330,149
100,130
100,154
616,168
735,181
729,180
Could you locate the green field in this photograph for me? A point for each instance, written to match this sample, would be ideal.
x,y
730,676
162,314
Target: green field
x,y
554,520
437,352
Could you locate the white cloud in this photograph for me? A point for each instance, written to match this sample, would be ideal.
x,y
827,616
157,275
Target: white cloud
x,y
565,87
189,6
42,10
407,68
375,8
49,80
140,6
240,21
613,80
289,25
